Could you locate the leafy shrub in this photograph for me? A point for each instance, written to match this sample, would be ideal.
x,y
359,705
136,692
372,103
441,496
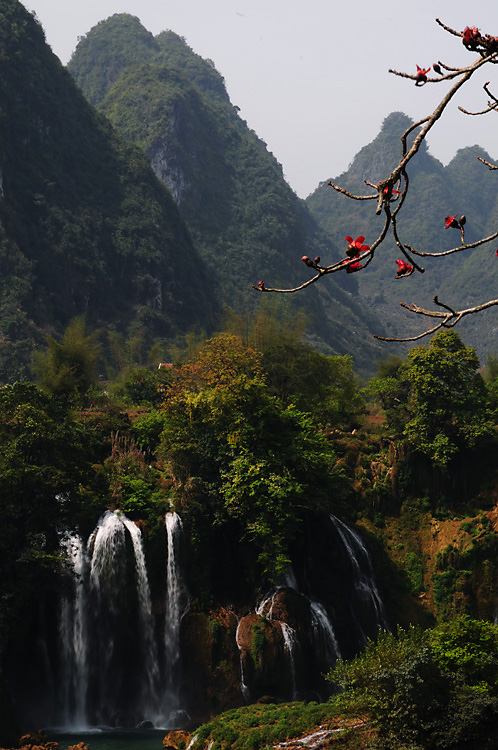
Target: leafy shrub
x,y
416,686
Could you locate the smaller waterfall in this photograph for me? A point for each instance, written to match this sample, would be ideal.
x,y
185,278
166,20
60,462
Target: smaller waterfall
x,y
291,644
326,644
265,607
174,611
363,574
246,693
324,633
150,683
73,633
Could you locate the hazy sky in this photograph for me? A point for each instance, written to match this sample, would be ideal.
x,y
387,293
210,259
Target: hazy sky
x,y
311,78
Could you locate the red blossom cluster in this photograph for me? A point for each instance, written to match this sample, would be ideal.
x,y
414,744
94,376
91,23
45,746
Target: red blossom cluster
x,y
353,250
474,41
471,37
388,191
353,267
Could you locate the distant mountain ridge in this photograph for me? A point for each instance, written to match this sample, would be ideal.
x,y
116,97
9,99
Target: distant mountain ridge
x,y
464,186
246,222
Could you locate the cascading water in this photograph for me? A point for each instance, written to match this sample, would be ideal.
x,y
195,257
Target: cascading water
x,y
174,599
291,644
246,693
109,664
325,637
365,588
150,684
74,639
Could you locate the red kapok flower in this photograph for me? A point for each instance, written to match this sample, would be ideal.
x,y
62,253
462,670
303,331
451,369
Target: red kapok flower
x,y
354,267
496,253
355,247
261,285
388,190
404,268
471,37
452,221
421,76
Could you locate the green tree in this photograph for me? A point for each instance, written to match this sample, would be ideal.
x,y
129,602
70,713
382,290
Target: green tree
x,y
323,386
45,466
447,398
427,689
69,368
240,456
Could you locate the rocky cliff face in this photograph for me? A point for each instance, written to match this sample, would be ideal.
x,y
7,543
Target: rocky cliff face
x,y
85,226
246,222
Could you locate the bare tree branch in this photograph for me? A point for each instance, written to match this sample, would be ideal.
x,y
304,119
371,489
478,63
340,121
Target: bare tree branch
x,y
458,249
391,193
487,163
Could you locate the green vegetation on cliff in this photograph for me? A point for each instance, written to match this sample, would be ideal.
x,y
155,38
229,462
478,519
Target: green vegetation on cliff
x,y
246,222
85,227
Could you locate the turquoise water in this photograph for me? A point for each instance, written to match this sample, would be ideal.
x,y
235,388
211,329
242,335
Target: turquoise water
x,y
147,739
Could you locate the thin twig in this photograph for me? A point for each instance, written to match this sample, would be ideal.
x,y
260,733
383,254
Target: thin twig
x,y
458,249
351,195
487,163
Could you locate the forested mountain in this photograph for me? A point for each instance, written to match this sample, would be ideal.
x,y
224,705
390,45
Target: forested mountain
x,y
85,226
464,186
246,221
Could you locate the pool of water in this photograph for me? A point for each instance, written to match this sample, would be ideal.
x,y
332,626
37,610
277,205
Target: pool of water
x,y
106,739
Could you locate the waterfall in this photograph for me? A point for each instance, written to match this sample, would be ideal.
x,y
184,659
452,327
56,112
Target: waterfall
x,y
246,693
110,597
109,668
174,597
291,644
324,638
150,685
265,607
73,633
363,575
324,633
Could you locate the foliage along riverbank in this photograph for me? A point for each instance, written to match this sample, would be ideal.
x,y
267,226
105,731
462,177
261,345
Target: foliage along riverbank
x,y
249,441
